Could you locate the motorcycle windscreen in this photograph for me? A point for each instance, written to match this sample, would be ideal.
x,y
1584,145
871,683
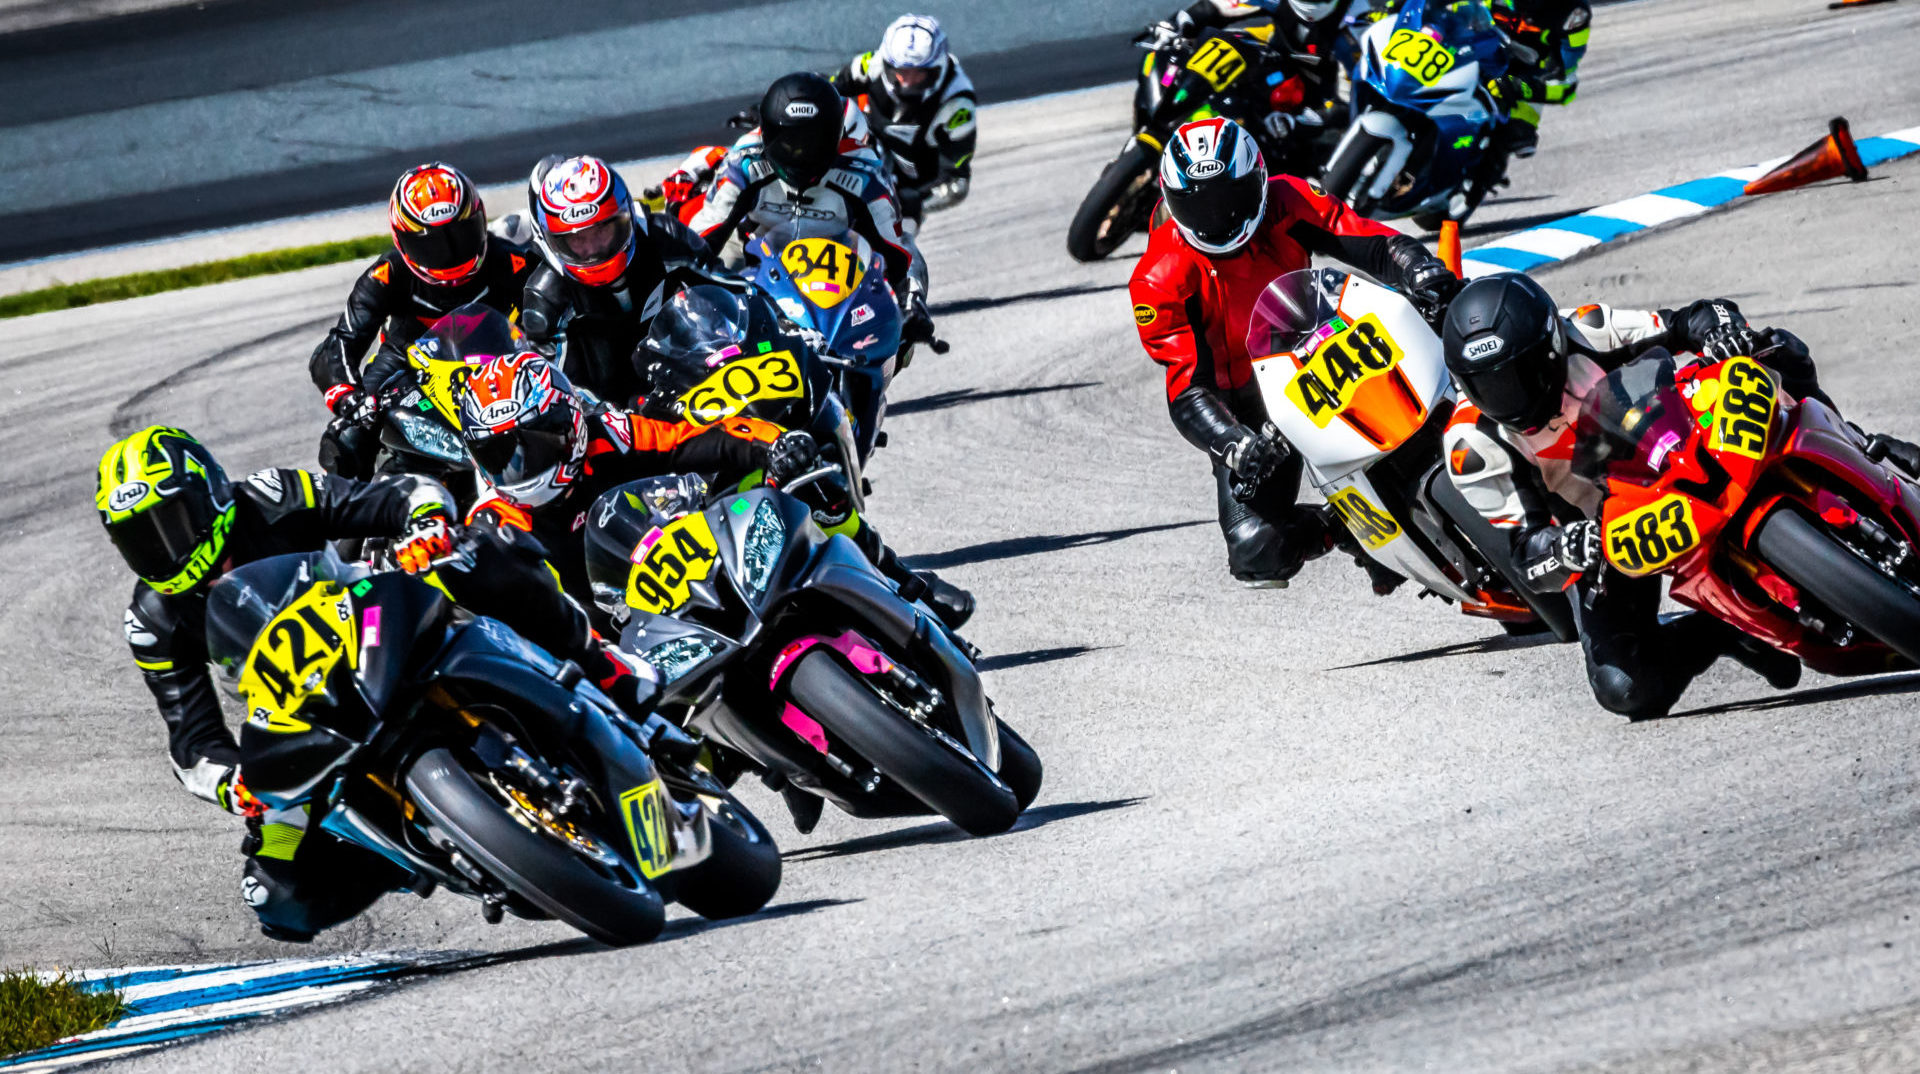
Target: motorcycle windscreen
x,y
464,338
1348,370
716,353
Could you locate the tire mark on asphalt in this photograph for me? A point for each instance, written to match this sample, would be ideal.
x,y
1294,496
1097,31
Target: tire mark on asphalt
x,y
123,420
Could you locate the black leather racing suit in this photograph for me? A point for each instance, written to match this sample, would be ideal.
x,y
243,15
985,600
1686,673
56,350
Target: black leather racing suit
x,y
594,330
389,303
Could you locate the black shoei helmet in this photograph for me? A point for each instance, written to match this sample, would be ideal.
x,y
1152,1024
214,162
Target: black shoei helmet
x,y
1507,349
800,122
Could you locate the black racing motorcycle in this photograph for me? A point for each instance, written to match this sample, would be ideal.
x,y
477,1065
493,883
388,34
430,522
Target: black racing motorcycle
x,y
470,758
786,645
1231,73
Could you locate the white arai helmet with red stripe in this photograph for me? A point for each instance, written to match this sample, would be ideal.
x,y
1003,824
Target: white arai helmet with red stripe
x,y
1215,184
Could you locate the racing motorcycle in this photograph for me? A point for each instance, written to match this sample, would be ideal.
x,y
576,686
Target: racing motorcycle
x,y
834,286
470,758
1764,511
1219,72
785,645
1353,377
1422,113
420,405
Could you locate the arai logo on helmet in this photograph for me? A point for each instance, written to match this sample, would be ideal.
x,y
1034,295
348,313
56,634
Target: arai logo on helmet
x,y
574,214
802,110
500,410
1483,348
433,196
127,495
1206,169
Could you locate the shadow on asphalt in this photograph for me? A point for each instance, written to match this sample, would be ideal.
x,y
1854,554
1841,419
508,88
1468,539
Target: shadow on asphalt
x,y
1879,686
1497,643
974,305
682,928
940,831
1036,656
963,396
1012,547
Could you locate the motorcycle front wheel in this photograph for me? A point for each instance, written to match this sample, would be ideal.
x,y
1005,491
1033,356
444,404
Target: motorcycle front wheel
x,y
1841,579
1347,170
949,782
741,874
1113,210
614,909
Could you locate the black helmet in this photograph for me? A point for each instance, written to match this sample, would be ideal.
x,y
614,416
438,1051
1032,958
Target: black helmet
x,y
1507,349
800,123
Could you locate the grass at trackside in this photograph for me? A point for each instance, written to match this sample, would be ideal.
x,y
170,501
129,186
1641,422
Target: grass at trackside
x,y
114,288
35,1012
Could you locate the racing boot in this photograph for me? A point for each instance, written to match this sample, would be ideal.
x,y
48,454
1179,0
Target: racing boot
x,y
952,604
804,807
1904,455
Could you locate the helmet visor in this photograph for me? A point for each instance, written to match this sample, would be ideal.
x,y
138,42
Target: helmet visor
x,y
912,81
801,155
1520,390
447,252
596,243
158,542
1218,210
529,451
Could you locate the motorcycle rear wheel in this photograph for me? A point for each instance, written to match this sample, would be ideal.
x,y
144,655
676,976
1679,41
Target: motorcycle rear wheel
x,y
536,867
954,786
1111,212
740,876
1839,578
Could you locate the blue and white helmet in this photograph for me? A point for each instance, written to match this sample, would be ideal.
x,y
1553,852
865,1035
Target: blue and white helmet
x,y
913,55
1215,184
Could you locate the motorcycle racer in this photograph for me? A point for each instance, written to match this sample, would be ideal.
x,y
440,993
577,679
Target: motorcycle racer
x,y
442,258
1232,231
1305,33
923,109
1521,362
805,169
180,523
607,270
683,193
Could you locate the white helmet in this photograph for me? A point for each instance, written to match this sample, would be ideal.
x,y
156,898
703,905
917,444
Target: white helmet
x,y
1313,10
913,55
1215,184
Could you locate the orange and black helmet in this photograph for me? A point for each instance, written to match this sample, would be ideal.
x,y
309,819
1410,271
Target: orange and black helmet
x,y
439,225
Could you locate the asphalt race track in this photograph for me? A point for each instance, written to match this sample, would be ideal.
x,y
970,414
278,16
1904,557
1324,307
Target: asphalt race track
x,y
1305,830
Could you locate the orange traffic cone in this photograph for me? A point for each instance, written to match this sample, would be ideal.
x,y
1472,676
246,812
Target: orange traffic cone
x,y
1829,158
1450,245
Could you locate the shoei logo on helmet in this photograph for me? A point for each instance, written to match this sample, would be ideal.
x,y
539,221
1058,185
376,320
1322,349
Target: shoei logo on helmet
x,y
802,110
1206,169
1483,348
127,495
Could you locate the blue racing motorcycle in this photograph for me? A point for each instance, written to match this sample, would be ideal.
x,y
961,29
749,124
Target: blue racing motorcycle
x,y
1422,112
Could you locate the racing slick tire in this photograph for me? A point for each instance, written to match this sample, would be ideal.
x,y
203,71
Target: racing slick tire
x,y
1111,211
617,911
1841,579
954,785
1020,767
741,874
1554,610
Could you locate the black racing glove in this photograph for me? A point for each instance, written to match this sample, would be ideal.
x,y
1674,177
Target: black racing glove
x,y
792,455
355,406
1727,340
1432,287
1713,328
1578,545
1252,457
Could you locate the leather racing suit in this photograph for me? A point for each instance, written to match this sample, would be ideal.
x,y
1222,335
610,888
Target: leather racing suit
x,y
927,142
1193,309
390,303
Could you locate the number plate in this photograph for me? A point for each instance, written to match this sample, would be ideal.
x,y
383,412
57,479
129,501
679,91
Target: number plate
x,y
825,272
294,655
1372,524
649,824
1645,539
1218,62
1348,358
733,386
1427,60
668,561
1743,409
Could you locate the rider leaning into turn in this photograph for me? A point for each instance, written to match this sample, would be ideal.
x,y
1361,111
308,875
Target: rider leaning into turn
x,y
805,168
1519,361
180,524
608,270
1233,231
924,112
442,258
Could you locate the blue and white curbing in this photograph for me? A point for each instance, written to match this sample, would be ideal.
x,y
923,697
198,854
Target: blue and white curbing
x,y
1548,244
168,1004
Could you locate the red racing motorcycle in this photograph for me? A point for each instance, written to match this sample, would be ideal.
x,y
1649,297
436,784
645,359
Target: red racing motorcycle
x,y
1765,511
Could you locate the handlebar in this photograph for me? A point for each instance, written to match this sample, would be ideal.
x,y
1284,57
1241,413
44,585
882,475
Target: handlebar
x,y
812,476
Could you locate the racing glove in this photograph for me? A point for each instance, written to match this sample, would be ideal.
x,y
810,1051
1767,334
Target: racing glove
x,y
1727,340
1715,323
1252,457
790,456
353,405
429,538
1432,286
1577,545
220,784
946,193
1278,125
